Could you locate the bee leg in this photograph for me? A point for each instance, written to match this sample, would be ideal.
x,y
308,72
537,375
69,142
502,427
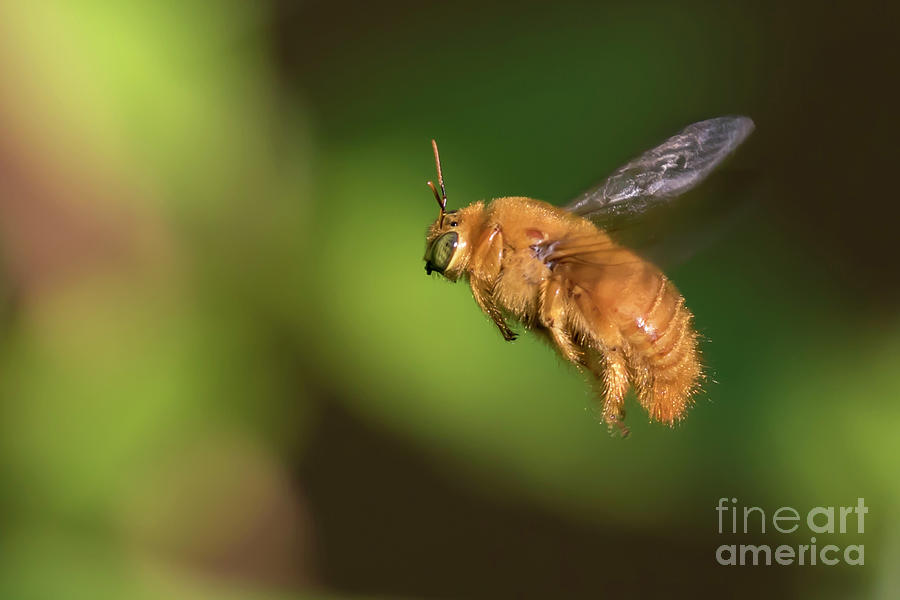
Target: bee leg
x,y
485,301
553,317
485,270
611,368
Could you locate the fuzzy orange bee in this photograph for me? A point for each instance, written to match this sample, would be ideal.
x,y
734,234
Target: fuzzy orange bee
x,y
601,305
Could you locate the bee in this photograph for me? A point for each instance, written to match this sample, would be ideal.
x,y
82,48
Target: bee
x,y
559,272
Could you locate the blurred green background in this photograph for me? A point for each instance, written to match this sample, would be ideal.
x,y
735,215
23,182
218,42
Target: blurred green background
x,y
223,373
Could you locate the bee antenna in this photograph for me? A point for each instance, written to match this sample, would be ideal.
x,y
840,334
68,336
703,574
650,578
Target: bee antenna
x,y
442,197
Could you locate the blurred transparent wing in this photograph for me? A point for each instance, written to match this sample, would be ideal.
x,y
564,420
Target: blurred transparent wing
x,y
668,170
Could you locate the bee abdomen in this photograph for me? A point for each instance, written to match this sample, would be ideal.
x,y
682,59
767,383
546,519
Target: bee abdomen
x,y
665,355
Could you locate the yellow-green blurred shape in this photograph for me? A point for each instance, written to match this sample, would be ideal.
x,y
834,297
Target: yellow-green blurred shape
x,y
49,565
153,373
159,87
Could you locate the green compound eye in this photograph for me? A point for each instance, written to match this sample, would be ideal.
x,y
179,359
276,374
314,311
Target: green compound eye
x,y
444,247
442,251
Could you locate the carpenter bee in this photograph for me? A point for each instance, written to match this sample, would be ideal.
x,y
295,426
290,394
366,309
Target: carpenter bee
x,y
558,271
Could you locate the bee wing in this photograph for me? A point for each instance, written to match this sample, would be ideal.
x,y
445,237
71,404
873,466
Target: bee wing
x,y
664,172
596,265
671,234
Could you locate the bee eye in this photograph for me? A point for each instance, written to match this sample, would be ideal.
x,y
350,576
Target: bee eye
x,y
442,250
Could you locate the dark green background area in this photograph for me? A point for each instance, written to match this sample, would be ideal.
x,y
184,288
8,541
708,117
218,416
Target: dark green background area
x,y
272,399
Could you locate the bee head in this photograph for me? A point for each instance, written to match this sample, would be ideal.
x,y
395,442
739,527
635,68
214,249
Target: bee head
x,y
446,242
446,245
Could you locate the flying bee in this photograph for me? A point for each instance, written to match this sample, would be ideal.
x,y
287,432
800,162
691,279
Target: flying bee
x,y
558,271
